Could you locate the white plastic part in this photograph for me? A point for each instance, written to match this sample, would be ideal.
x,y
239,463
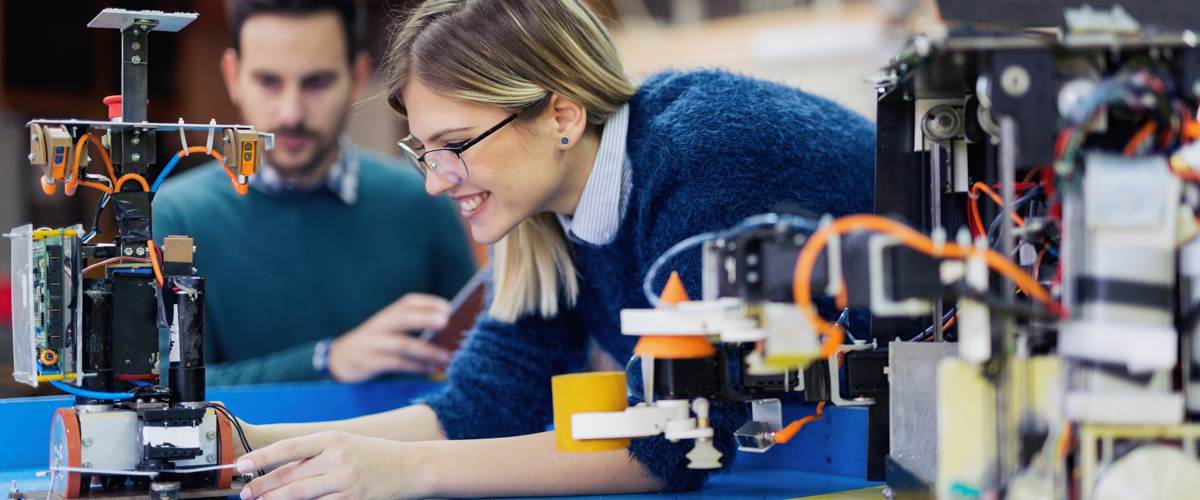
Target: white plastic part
x,y
788,334
212,130
1140,347
183,138
635,422
704,455
1125,408
686,318
1150,472
974,331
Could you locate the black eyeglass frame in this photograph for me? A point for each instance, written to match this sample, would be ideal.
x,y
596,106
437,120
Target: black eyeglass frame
x,y
424,168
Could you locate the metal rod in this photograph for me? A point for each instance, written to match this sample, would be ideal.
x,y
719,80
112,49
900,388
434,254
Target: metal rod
x,y
935,222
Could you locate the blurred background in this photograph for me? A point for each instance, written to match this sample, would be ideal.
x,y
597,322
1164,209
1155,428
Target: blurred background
x,y
53,66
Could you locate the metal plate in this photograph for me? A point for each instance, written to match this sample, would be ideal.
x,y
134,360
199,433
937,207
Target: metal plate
x,y
913,404
120,18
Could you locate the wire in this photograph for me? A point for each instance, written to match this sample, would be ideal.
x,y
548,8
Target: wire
x,y
974,204
175,159
770,219
100,187
114,259
784,435
1139,138
136,177
951,314
154,263
90,394
96,220
237,425
802,285
79,147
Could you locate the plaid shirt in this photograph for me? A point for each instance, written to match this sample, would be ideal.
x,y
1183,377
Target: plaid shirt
x,y
342,179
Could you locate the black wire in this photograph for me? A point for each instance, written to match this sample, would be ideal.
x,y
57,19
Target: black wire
x,y
929,331
95,230
1188,324
237,424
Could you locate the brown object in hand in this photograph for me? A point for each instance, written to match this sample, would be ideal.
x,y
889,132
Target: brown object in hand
x,y
466,305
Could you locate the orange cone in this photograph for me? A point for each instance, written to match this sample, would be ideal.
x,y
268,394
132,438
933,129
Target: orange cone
x,y
674,346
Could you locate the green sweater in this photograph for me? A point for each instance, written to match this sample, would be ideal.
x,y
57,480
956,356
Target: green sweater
x,y
286,271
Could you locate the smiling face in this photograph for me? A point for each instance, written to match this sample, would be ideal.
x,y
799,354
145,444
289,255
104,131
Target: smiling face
x,y
291,76
520,170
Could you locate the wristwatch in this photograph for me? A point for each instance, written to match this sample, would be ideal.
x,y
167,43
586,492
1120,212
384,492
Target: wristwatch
x,y
321,358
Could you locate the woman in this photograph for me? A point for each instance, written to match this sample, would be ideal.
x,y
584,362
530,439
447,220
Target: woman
x,y
521,113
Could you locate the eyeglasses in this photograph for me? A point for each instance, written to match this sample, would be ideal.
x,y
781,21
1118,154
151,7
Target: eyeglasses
x,y
447,163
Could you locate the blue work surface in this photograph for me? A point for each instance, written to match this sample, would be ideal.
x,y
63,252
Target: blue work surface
x,y
828,455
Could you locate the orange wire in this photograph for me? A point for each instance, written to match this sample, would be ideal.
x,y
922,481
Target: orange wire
x,y
979,186
154,263
112,174
802,285
95,185
784,435
136,177
1139,137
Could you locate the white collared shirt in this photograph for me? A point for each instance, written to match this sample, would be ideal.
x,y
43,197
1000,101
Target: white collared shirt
x,y
342,179
602,205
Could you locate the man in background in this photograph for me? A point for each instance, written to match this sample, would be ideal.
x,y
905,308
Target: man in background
x,y
335,253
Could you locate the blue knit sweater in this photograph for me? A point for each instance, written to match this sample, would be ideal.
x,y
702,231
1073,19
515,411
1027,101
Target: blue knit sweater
x,y
707,149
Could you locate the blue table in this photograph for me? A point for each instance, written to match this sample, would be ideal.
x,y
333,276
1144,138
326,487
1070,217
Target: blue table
x,y
827,456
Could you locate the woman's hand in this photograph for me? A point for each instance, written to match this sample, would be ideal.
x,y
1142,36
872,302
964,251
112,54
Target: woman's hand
x,y
335,465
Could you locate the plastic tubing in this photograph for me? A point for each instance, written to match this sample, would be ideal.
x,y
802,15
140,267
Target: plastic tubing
x,y
90,394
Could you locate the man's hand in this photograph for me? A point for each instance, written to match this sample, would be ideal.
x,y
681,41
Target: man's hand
x,y
382,343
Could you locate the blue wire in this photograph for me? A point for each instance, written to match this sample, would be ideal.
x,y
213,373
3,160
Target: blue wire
x,y
163,175
1053,251
90,394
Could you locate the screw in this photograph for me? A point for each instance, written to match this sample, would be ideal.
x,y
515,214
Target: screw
x,y
87,441
211,459
33,137
135,140
128,252
211,435
137,46
30,156
888,493
141,251
1196,89
752,260
137,59
1015,81
752,277
86,465
135,157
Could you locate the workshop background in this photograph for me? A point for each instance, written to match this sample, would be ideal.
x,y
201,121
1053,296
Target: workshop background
x,y
51,66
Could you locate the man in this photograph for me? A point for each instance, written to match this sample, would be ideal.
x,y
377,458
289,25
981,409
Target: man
x,y
334,254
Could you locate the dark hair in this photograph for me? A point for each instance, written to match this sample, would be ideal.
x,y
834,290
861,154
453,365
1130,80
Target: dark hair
x,y
351,12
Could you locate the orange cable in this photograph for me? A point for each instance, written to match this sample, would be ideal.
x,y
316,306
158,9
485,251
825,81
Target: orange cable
x,y
136,177
96,185
784,435
112,174
1139,137
979,186
154,263
802,285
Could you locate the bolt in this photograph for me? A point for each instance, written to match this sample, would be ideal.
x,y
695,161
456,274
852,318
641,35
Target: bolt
x,y
137,59
1015,81
135,140
752,277
86,465
752,260
141,251
137,46
128,252
30,156
211,459
211,435
87,441
1196,89
33,137
135,157
888,493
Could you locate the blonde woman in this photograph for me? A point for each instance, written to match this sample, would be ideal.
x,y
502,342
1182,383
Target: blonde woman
x,y
521,113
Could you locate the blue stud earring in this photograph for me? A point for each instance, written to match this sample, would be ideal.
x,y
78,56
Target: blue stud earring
x,y
565,140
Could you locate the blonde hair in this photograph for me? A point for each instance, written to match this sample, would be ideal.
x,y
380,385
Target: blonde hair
x,y
514,54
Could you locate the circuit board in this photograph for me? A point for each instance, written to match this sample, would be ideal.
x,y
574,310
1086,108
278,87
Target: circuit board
x,y
47,272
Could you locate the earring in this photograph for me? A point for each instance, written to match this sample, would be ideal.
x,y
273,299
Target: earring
x,y
565,140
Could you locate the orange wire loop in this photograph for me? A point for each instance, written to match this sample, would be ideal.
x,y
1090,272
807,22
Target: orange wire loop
x,y
136,177
802,279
